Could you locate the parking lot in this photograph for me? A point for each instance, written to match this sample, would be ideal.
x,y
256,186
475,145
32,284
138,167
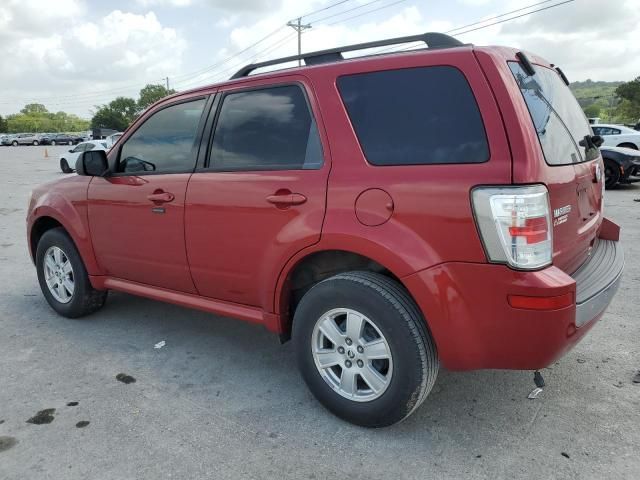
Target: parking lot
x,y
222,398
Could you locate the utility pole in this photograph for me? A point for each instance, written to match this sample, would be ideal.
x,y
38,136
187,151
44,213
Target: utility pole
x,y
299,27
167,80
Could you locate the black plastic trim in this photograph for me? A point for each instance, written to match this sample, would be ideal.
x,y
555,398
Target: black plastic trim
x,y
431,39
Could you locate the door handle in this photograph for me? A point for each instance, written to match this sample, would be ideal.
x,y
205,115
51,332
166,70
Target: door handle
x,y
161,197
286,199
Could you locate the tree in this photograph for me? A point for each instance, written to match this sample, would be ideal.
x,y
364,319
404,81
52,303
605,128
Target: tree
x,y
592,110
34,109
117,115
630,94
151,94
3,125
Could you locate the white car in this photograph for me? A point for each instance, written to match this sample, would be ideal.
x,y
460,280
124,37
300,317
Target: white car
x,y
112,139
618,135
68,159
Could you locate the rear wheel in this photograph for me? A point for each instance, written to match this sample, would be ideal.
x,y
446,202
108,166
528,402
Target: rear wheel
x,y
53,143
35,143
14,143
64,166
63,277
611,174
363,348
629,145
70,142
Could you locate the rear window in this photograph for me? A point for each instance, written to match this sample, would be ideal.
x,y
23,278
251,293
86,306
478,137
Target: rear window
x,y
415,116
556,114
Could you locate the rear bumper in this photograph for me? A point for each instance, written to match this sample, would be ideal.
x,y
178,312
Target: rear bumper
x,y
474,327
597,280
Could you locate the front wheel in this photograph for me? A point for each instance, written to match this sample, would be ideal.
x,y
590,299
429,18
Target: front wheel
x,y
64,166
611,174
53,143
14,143
63,277
363,348
35,143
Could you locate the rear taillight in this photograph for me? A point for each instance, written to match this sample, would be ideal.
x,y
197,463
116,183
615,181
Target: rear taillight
x,y
515,225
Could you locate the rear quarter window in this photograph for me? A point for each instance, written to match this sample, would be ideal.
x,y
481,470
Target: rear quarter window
x,y
415,116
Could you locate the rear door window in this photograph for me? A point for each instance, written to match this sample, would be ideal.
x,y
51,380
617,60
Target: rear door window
x,y
415,116
266,129
556,114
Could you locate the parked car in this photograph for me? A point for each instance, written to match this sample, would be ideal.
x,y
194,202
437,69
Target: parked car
x,y
112,139
26,139
69,158
389,214
7,140
61,139
618,135
621,165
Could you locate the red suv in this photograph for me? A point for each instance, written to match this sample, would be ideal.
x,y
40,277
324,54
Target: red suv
x,y
389,213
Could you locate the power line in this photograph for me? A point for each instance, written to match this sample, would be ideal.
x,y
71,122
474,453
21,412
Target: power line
x,y
499,16
367,12
325,8
450,32
346,11
516,17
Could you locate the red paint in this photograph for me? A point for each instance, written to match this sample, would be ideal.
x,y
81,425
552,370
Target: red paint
x,y
374,207
227,242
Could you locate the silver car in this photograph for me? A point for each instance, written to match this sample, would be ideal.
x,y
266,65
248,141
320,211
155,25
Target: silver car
x,y
26,139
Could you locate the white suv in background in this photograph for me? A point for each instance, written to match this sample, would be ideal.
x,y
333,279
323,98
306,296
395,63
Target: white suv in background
x,y
68,159
618,135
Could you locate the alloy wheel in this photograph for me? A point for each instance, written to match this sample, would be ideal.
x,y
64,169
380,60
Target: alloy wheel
x,y
58,274
352,355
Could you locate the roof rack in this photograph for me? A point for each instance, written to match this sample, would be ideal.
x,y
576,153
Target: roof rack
x,y
431,39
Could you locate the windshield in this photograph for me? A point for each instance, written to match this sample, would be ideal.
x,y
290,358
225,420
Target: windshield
x,y
556,114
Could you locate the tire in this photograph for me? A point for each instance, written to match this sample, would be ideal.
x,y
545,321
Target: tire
x,y
611,174
64,166
70,142
629,145
53,143
392,320
14,143
36,143
84,299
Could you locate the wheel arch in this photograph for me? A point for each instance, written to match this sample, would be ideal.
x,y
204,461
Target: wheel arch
x,y
312,266
71,221
632,145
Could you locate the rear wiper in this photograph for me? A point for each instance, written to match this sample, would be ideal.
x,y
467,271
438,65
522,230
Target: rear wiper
x,y
527,66
562,76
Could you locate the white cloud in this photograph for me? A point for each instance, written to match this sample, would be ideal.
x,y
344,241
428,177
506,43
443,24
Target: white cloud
x,y
81,57
584,38
243,5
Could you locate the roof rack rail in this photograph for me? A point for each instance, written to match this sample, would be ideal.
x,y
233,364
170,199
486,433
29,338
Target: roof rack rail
x,y
431,39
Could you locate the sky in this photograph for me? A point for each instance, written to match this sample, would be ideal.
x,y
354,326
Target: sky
x,y
73,55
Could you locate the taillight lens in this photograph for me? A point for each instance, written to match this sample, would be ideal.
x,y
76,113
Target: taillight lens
x,y
515,225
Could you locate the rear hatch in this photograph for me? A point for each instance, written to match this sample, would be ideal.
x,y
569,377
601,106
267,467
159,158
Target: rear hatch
x,y
571,166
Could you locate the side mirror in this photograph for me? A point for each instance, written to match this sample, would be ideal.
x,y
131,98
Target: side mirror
x,y
597,140
93,164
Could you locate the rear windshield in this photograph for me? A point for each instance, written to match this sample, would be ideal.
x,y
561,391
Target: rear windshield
x,y
556,114
415,116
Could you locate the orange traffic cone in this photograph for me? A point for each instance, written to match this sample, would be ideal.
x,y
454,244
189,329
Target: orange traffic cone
x,y
46,154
